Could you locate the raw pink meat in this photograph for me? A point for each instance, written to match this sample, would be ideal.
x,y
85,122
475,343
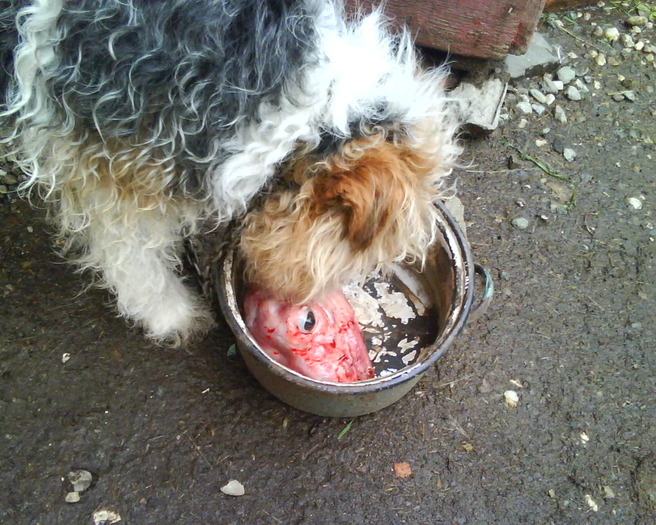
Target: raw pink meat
x,y
320,340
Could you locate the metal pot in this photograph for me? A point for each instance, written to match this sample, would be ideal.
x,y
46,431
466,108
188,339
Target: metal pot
x,y
447,278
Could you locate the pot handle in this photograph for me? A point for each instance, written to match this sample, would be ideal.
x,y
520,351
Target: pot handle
x,y
479,309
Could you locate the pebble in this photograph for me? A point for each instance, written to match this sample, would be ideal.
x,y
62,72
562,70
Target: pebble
x,y
550,99
538,95
566,74
560,115
511,398
72,497
8,178
105,516
558,145
627,40
552,86
573,93
520,223
591,503
3,189
233,488
637,20
539,109
611,34
569,154
601,59
80,479
525,107
635,203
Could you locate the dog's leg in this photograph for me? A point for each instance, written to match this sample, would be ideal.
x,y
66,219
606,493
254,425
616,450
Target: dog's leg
x,y
136,255
122,222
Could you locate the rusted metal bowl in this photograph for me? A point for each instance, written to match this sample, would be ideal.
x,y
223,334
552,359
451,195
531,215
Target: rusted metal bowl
x,y
446,282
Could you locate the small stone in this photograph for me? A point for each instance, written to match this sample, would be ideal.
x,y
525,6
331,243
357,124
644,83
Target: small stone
x,y
3,189
611,34
541,142
549,99
8,178
233,488
560,115
538,95
522,123
539,109
591,503
637,20
511,398
613,61
520,223
627,40
65,357
558,145
608,492
566,74
402,470
80,479
550,85
572,93
569,154
525,107
630,95
72,497
105,516
601,59
635,203
640,45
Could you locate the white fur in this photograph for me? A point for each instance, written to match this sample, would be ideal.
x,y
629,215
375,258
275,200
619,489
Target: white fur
x,y
135,247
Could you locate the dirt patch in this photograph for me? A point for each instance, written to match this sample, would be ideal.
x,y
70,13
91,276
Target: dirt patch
x,y
571,331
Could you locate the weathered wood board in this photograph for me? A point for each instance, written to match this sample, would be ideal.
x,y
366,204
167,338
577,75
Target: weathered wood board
x,y
476,28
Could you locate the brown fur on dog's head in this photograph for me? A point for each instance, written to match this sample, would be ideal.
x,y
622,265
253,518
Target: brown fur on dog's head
x,y
369,204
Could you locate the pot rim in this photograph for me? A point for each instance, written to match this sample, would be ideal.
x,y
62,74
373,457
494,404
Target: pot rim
x,y
463,290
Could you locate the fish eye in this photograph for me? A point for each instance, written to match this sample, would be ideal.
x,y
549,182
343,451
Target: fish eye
x,y
306,321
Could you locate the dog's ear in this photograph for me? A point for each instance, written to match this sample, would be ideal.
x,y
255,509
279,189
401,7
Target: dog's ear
x,y
369,187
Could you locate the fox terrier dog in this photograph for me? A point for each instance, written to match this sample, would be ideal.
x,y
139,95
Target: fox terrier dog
x,y
318,134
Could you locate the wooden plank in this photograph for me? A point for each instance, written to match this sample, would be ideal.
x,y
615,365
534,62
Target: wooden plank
x,y
560,5
476,28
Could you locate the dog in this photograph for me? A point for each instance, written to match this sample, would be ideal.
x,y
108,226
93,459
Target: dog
x,y
319,135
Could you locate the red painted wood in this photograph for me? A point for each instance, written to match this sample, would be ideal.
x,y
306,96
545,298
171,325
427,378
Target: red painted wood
x,y
477,28
557,5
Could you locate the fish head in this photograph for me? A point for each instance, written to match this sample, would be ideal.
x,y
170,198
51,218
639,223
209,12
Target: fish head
x,y
320,339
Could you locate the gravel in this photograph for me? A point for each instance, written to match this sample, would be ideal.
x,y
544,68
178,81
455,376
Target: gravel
x,y
520,223
566,74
